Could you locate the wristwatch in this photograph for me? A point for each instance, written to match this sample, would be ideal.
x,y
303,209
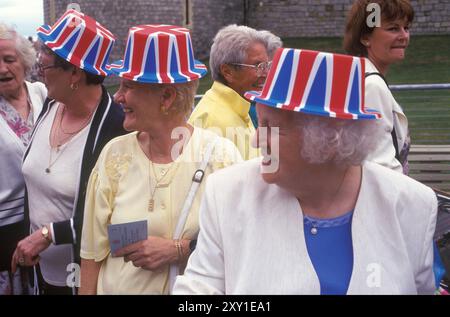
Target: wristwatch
x,y
46,234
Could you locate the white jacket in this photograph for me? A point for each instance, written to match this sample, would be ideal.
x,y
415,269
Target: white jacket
x,y
379,97
12,184
251,237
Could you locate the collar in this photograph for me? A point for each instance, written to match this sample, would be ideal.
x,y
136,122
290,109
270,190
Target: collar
x,y
370,67
232,100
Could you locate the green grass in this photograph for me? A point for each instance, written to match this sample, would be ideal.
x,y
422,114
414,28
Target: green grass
x,y
427,61
428,114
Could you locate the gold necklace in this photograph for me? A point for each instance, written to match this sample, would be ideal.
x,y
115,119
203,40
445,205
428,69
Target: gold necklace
x,y
158,183
54,137
50,163
85,123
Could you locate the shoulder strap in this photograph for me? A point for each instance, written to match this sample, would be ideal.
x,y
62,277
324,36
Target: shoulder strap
x,y
393,133
197,179
377,74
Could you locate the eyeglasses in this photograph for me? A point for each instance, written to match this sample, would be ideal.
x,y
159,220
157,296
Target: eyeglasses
x,y
41,67
260,68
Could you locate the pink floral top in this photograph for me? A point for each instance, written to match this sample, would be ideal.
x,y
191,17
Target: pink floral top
x,y
22,128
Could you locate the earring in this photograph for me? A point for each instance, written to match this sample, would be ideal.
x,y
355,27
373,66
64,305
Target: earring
x,y
74,86
164,111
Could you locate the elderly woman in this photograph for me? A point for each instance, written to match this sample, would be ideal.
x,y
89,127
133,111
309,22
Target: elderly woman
x,y
313,217
152,174
239,62
383,46
77,120
20,105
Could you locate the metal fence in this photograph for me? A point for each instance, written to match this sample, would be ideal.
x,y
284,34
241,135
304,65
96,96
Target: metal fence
x,y
427,107
429,118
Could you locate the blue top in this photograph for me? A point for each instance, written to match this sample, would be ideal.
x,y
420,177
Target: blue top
x,y
252,113
331,251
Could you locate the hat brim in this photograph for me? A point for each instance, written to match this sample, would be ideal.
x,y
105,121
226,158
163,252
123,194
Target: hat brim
x,y
369,114
63,53
197,71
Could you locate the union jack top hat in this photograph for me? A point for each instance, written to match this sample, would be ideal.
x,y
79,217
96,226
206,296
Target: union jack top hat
x,y
80,40
317,83
159,54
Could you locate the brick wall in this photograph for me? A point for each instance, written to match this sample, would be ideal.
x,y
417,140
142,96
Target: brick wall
x,y
292,18
209,17
286,18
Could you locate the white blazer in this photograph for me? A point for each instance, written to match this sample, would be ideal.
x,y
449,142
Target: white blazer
x,y
38,94
379,97
251,237
12,184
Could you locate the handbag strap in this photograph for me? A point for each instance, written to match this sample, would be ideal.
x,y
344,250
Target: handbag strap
x,y
197,179
393,133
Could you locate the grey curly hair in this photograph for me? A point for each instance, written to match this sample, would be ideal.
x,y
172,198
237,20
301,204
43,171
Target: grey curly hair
x,y
24,48
338,141
231,43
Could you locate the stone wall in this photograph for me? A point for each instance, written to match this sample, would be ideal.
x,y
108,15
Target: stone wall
x,y
209,17
118,16
311,18
286,18
432,16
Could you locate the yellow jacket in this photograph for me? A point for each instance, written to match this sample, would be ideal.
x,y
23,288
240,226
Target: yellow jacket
x,y
225,112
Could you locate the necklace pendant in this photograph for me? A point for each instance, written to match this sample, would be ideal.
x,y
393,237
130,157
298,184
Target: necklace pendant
x,y
151,204
47,170
314,230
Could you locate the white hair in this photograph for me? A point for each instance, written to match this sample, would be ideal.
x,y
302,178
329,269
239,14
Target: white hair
x,y
24,48
338,141
273,42
231,43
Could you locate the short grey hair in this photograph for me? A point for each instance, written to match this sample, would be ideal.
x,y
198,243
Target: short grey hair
x,y
24,48
339,141
231,43
273,42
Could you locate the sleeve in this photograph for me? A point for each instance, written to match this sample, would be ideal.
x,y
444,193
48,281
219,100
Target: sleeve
x,y
63,232
378,97
205,270
425,281
97,212
225,154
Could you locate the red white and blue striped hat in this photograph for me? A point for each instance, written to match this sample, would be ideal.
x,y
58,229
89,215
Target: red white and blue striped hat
x,y
317,83
159,54
80,40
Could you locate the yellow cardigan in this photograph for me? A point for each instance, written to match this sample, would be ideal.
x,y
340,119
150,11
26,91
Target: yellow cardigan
x,y
225,112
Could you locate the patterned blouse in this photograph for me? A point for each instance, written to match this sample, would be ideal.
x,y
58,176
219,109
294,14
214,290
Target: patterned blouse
x,y
22,128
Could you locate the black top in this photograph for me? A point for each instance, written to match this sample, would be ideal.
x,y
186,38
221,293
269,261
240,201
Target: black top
x,y
106,125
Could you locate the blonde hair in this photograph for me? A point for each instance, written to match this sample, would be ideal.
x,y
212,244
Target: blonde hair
x,y
185,94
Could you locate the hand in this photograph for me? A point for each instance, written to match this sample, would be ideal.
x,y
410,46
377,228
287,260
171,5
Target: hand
x,y
28,250
151,254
